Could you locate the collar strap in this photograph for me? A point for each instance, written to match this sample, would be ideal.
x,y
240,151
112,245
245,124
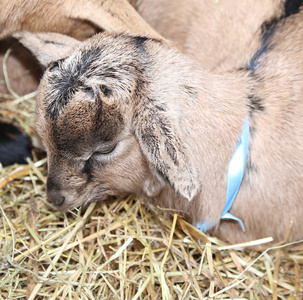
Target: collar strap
x,y
235,174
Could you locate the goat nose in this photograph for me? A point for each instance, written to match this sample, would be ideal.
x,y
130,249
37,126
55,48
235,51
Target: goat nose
x,y
56,198
54,193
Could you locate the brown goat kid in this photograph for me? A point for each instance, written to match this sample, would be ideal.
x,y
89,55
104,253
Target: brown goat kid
x,y
127,114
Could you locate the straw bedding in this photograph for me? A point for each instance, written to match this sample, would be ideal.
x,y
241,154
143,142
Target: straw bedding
x,y
121,249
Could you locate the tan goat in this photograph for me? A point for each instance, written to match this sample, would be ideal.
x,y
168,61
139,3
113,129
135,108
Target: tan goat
x,y
127,114
219,35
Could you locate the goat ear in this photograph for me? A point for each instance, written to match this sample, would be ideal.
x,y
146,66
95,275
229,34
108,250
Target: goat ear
x,y
161,142
46,46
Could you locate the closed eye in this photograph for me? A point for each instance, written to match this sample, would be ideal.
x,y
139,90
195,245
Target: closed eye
x,y
102,152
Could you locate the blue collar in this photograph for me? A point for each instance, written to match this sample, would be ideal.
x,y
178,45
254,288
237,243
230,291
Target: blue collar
x,y
234,178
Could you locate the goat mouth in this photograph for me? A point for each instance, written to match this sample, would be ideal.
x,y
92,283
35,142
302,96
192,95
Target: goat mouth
x,y
95,196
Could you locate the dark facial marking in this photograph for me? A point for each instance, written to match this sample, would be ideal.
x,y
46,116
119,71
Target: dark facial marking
x,y
107,122
69,76
140,42
90,94
67,87
82,127
67,82
105,90
55,65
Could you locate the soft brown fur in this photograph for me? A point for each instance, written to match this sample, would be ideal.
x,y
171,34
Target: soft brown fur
x,y
138,117
64,16
219,35
79,19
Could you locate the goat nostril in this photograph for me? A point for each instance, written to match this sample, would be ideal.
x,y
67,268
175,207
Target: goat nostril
x,y
59,200
56,197
54,192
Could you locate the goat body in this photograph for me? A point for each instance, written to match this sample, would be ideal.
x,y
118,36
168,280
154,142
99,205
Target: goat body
x,y
127,114
219,35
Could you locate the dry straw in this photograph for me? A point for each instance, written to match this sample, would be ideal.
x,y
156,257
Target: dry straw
x,y
122,249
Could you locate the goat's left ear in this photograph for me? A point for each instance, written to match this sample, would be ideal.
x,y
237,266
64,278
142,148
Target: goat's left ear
x,y
161,142
46,46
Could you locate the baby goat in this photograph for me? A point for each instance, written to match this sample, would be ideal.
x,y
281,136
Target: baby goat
x,y
127,114
78,18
